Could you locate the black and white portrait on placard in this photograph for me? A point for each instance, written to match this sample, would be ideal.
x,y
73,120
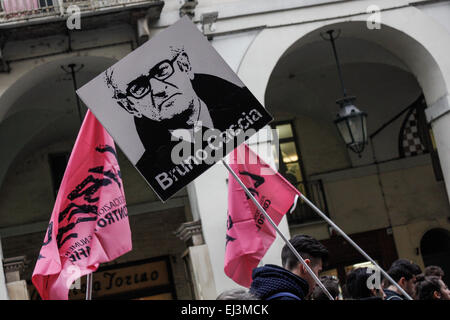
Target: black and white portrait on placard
x,y
180,105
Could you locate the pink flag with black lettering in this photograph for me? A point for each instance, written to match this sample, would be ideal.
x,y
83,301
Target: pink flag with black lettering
x,y
249,235
89,223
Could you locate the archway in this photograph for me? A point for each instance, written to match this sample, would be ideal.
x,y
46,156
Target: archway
x,y
387,70
42,122
435,249
37,114
407,48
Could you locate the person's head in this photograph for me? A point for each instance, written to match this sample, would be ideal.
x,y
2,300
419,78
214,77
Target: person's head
x,y
236,294
431,288
313,253
357,285
404,272
434,271
331,284
163,93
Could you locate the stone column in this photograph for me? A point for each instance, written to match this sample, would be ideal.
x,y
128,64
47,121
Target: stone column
x,y
17,288
3,290
197,260
438,115
143,33
208,197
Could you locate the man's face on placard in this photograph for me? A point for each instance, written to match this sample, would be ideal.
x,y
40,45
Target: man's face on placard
x,y
163,93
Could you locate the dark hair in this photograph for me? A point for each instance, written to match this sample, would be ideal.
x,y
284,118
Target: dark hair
x,y
416,270
356,285
426,286
307,247
236,294
403,268
331,284
434,271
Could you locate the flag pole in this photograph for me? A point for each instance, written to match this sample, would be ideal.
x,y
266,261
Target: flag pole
x,y
89,286
291,247
346,237
72,72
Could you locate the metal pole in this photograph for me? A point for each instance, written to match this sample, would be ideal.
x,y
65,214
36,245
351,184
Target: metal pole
x,y
75,86
291,247
342,233
72,71
89,286
330,33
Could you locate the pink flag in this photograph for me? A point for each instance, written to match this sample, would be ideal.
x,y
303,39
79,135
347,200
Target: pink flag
x,y
89,223
249,235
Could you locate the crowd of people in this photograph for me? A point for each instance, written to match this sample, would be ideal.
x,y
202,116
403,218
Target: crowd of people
x,y
292,281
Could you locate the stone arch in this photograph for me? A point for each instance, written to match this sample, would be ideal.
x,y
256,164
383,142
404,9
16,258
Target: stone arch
x,y
26,77
424,56
421,47
24,118
435,249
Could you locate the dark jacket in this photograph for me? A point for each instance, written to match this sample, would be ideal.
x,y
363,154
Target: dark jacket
x,y
272,279
391,295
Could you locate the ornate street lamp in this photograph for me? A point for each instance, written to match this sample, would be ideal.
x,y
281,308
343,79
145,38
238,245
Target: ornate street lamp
x,y
351,122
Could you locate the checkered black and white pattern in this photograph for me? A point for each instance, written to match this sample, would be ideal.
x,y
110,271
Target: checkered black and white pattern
x,y
412,144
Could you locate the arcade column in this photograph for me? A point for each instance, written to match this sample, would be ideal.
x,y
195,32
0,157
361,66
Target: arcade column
x,y
438,115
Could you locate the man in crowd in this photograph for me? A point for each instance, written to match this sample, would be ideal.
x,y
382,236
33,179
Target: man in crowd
x,y
358,288
431,288
292,281
333,287
434,271
403,272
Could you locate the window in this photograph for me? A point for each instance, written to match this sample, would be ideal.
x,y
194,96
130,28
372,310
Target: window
x,y
366,264
416,136
58,163
290,166
289,161
46,3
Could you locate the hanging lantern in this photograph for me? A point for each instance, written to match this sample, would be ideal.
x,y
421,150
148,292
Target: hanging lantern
x,y
351,123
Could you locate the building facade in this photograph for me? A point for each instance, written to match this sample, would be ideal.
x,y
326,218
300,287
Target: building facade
x,y
393,200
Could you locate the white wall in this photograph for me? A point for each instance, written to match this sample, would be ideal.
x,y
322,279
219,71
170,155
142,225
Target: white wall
x,y
439,12
208,193
3,289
